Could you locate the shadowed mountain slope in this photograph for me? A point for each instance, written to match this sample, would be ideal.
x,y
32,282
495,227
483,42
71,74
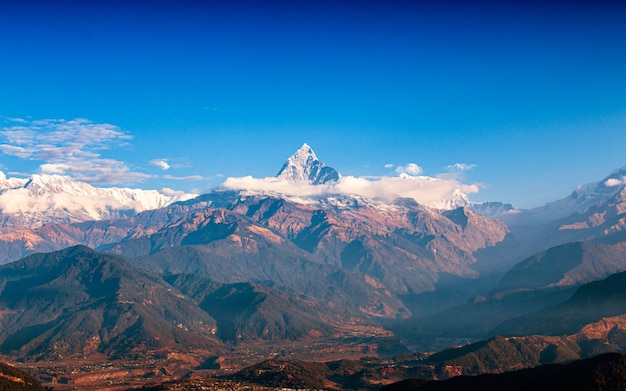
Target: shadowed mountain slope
x,y
591,303
247,311
601,373
566,265
77,302
14,379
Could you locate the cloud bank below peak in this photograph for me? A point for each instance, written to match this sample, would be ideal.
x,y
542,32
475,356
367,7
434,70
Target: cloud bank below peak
x,y
437,193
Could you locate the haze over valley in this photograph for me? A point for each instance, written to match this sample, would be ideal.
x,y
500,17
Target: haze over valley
x,y
280,195
320,275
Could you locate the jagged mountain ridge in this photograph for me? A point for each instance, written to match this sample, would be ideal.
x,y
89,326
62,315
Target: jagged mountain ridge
x,y
28,203
400,248
421,242
357,261
42,199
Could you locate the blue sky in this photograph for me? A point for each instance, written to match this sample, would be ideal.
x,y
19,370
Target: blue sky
x,y
532,94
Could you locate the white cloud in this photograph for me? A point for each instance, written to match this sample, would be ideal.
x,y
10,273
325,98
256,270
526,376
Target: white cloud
x,y
460,167
94,171
71,147
411,169
425,190
179,194
14,150
184,178
611,182
160,163
389,165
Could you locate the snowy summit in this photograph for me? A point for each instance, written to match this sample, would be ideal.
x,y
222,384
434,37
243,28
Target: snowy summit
x,y
304,167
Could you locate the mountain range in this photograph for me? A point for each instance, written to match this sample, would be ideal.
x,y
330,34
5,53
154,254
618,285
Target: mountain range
x,y
43,199
127,274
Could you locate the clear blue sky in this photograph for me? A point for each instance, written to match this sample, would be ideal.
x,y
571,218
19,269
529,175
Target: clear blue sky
x,y
532,93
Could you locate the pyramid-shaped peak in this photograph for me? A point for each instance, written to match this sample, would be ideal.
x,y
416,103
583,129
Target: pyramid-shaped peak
x,y
303,154
304,167
306,148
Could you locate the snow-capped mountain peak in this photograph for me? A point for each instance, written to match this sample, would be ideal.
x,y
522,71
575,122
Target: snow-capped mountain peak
x,y
40,199
304,167
10,183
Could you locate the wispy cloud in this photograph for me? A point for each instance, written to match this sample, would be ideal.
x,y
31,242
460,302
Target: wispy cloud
x,y
184,178
160,163
71,147
19,120
389,165
460,167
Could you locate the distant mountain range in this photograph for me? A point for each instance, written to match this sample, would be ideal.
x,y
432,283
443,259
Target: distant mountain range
x,y
122,273
580,201
43,199
28,203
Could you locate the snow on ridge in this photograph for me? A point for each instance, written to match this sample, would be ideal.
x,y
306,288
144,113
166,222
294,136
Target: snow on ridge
x,y
42,199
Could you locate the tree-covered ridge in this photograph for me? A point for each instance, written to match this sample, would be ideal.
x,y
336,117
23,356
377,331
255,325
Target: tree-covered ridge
x,y
14,379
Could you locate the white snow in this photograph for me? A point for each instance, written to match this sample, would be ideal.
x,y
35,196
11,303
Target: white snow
x,y
304,167
41,199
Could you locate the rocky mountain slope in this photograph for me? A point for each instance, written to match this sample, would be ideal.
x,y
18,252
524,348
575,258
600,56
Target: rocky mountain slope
x,y
259,267
385,249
